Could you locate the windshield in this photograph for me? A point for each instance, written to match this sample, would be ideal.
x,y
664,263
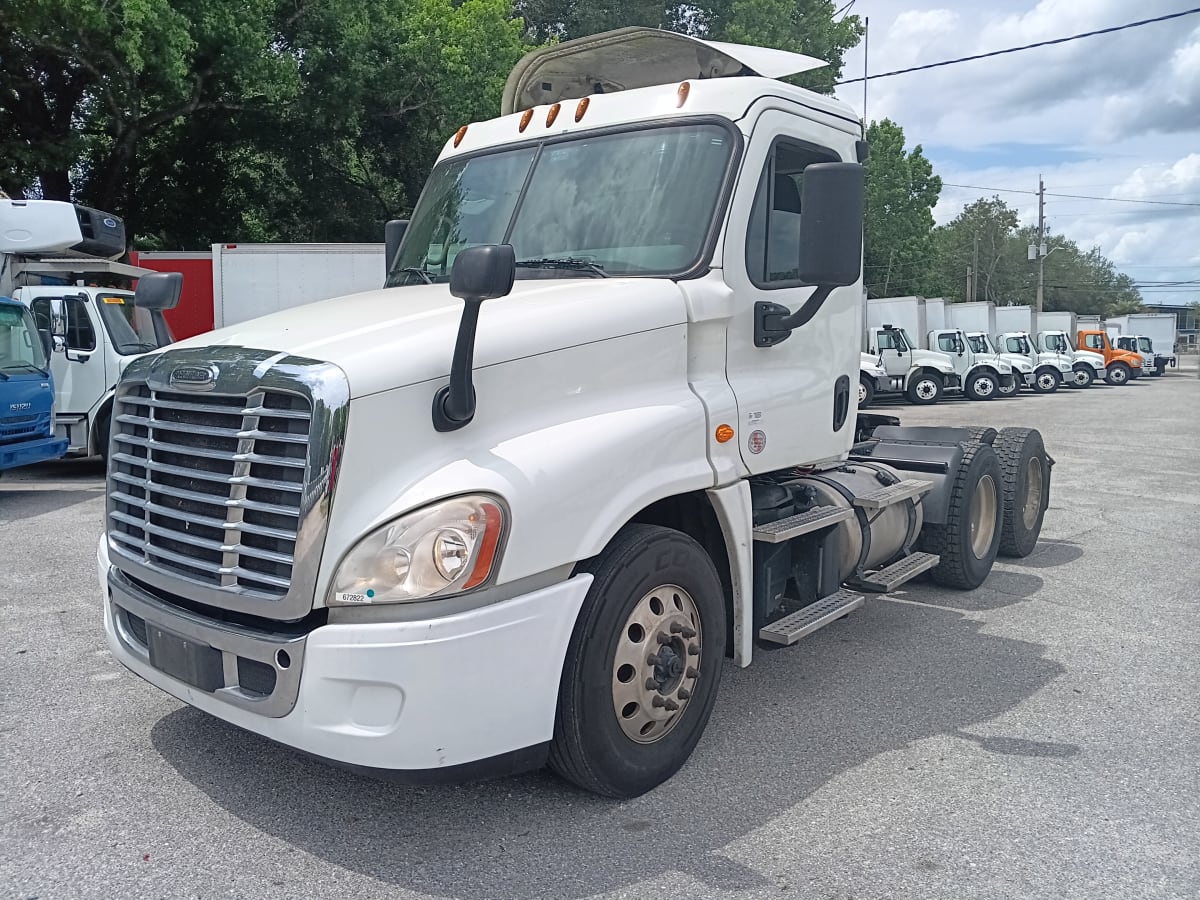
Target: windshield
x,y
131,330
909,342
1144,345
20,344
978,343
633,203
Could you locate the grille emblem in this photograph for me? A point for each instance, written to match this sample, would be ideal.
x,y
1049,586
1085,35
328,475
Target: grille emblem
x,y
194,378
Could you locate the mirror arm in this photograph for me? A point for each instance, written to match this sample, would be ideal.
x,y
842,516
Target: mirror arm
x,y
774,323
454,403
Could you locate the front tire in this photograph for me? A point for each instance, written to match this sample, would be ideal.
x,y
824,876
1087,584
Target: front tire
x,y
982,386
866,392
970,538
925,389
641,670
1012,389
1084,376
1045,381
1118,373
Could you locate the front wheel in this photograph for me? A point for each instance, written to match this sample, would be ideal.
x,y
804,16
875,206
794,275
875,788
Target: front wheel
x,y
970,537
982,386
924,389
866,391
1045,382
1118,373
641,670
1083,376
1011,389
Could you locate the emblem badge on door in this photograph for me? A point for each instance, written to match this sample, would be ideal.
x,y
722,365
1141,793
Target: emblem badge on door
x,y
757,441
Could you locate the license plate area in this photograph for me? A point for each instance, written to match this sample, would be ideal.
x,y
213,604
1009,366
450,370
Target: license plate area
x,y
189,661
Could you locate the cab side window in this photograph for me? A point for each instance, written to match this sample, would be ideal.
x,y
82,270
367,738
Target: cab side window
x,y
1093,342
80,333
886,341
947,344
41,313
1014,345
773,237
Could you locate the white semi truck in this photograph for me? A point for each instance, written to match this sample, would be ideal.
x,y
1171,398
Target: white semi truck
x,y
598,433
63,270
1056,333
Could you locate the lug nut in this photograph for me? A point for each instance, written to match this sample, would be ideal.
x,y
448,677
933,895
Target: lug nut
x,y
652,659
676,628
658,701
651,684
693,672
693,649
671,705
663,638
684,694
688,633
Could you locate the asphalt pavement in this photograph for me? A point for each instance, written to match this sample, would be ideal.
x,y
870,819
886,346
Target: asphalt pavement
x,y
1039,737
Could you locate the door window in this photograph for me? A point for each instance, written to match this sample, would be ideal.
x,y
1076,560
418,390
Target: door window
x,y
947,343
1094,342
80,333
887,340
773,236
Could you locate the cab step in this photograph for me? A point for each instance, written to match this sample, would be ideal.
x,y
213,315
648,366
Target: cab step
x,y
802,523
893,493
805,621
884,580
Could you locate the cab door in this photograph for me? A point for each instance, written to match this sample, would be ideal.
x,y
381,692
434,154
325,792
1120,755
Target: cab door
x,y
78,360
794,399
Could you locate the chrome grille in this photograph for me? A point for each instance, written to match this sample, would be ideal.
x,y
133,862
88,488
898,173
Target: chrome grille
x,y
210,487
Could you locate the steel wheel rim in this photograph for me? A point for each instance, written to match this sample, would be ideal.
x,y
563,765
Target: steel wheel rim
x,y
862,393
1046,381
1033,492
926,389
657,663
983,516
1081,378
984,387
1118,375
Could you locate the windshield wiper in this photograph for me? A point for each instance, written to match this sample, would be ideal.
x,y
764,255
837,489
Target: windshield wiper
x,y
567,262
424,275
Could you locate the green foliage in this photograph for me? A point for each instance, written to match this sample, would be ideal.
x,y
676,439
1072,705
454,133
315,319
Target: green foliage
x,y
902,190
1083,282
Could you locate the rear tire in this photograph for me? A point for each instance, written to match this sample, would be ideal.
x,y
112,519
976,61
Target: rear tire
x,y
1045,381
1084,376
925,389
982,386
1118,374
970,538
647,581
1026,468
866,392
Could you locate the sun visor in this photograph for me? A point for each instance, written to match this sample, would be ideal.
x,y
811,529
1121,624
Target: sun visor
x,y
632,58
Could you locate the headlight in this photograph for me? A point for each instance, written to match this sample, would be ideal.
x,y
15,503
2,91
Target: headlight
x,y
449,547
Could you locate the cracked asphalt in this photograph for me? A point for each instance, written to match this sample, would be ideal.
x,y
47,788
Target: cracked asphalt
x,y
1039,737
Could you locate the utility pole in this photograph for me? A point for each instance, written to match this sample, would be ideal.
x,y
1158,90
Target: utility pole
x,y
970,276
975,271
866,56
1041,243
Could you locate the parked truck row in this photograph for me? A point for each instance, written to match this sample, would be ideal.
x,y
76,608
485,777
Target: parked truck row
x,y
922,349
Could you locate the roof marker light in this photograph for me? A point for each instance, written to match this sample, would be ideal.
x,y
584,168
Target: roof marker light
x,y
552,114
526,118
582,108
682,94
458,138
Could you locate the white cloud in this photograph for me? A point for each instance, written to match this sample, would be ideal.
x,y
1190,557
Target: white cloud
x,y
1116,115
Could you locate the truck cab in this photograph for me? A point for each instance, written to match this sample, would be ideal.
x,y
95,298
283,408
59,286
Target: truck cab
x,y
26,391
596,434
1086,366
60,276
920,375
1120,365
984,376
1050,369
1152,363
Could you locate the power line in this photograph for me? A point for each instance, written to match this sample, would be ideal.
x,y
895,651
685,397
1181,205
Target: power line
x,y
1062,40
976,187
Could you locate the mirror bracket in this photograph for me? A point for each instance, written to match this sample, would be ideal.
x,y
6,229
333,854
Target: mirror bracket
x,y
774,323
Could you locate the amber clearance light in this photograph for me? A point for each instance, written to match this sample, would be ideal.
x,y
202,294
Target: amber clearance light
x,y
526,118
552,114
681,95
581,109
458,138
724,434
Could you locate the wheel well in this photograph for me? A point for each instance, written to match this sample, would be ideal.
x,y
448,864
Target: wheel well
x,y
928,370
991,370
693,514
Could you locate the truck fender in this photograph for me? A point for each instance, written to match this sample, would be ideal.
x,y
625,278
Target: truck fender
x,y
102,410
732,506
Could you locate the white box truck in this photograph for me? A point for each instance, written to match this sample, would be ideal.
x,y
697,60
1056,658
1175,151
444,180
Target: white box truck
x,y
1057,333
977,322
1150,335
597,433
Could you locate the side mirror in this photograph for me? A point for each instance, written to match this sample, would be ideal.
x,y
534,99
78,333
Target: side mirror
x,y
831,246
831,224
480,273
158,290
393,235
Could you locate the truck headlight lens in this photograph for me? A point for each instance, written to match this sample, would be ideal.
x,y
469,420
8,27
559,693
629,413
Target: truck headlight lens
x,y
446,548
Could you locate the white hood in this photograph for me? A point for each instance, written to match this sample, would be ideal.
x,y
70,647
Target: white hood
x,y
399,336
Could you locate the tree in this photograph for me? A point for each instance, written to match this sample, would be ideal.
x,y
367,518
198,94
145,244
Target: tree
x,y
901,193
984,230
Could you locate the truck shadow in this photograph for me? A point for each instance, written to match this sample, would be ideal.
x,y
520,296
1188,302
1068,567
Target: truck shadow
x,y
889,675
1049,554
16,504
1002,588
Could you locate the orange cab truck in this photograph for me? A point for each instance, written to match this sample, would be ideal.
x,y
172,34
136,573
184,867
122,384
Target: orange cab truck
x,y
1120,365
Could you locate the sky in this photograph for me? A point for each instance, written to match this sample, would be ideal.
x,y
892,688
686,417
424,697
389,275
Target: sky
x,y
1112,116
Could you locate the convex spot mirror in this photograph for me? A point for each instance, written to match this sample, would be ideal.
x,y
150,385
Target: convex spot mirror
x,y
158,290
831,224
